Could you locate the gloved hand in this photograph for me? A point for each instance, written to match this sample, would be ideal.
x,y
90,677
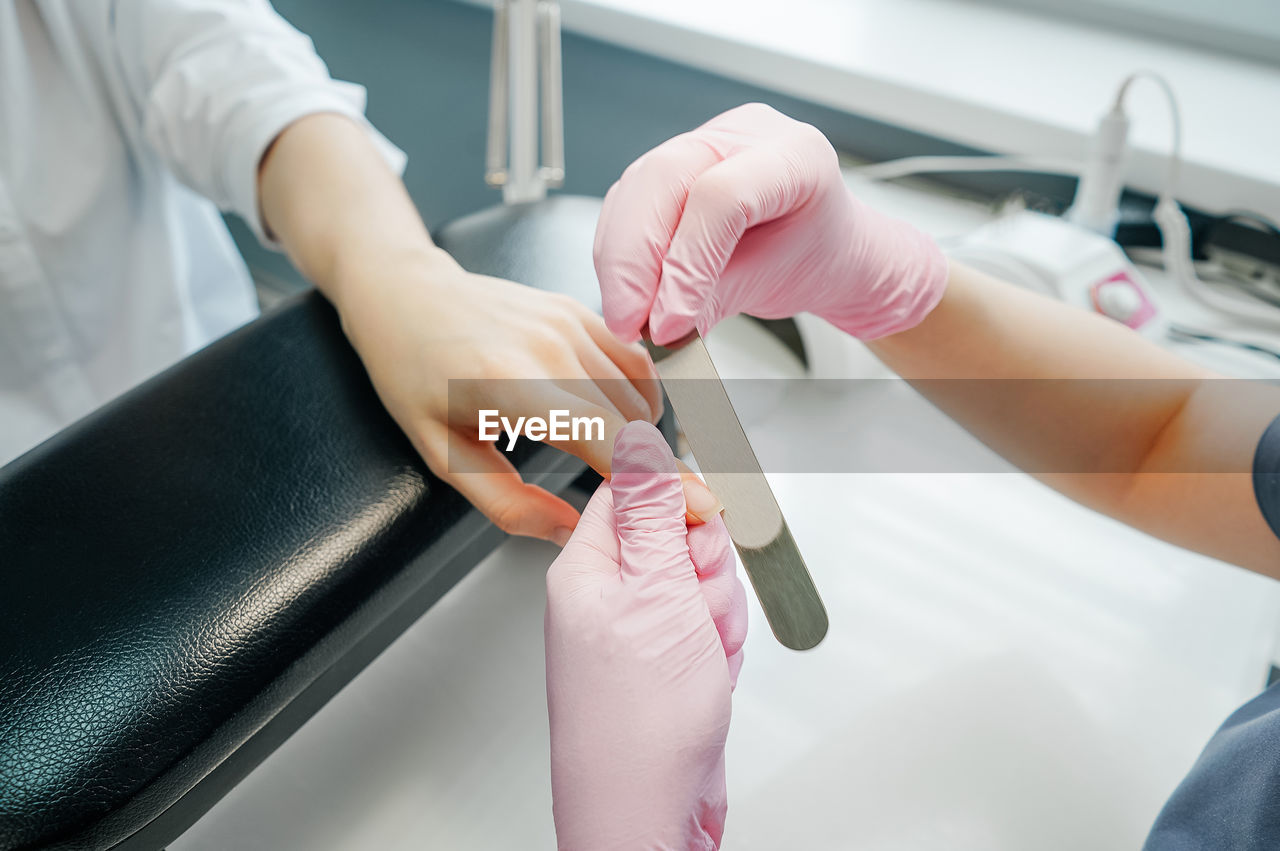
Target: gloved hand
x,y
749,214
644,629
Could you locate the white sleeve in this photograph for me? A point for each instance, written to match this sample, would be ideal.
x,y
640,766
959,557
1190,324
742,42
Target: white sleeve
x,y
217,81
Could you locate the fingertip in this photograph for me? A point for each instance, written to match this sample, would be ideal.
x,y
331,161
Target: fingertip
x,y
699,499
549,516
666,327
727,602
735,669
624,298
734,633
647,492
676,307
533,512
640,448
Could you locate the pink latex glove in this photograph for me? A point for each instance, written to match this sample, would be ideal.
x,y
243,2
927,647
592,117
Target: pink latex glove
x,y
749,214
644,630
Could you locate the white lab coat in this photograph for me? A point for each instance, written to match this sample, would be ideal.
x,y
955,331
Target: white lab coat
x,y
124,126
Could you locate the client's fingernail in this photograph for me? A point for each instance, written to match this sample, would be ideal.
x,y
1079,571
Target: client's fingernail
x,y
560,536
700,501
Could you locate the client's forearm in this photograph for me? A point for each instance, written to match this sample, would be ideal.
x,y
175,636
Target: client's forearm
x,y
337,209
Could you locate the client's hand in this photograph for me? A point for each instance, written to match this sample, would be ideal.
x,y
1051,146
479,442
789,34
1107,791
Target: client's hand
x,y
644,630
418,319
421,320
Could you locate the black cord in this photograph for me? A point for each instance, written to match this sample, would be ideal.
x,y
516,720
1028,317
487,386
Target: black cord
x,y
1241,231
1244,232
1187,335
1258,219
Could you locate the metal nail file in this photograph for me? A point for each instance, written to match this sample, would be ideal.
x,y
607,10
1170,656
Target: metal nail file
x,y
729,465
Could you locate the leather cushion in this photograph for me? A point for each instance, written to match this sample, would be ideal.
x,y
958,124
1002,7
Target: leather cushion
x,y
192,570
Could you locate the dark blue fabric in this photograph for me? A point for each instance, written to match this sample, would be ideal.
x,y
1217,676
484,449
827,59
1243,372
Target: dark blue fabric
x,y
1231,798
1266,474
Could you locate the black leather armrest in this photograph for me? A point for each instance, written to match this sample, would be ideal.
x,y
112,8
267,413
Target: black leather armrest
x,y
192,571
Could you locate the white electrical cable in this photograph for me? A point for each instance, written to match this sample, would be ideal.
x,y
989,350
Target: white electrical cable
x,y
1175,231
894,169
1174,162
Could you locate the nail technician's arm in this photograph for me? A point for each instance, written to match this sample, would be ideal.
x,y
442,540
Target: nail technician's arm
x,y
418,319
644,629
749,213
1171,456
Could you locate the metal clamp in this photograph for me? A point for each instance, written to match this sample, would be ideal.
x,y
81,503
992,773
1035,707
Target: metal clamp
x,y
525,74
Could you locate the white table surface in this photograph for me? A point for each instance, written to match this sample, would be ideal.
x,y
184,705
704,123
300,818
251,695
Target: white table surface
x,y
989,75
1005,670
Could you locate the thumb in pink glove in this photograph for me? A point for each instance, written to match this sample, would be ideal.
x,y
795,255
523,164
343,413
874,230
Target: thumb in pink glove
x,y
644,629
749,214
